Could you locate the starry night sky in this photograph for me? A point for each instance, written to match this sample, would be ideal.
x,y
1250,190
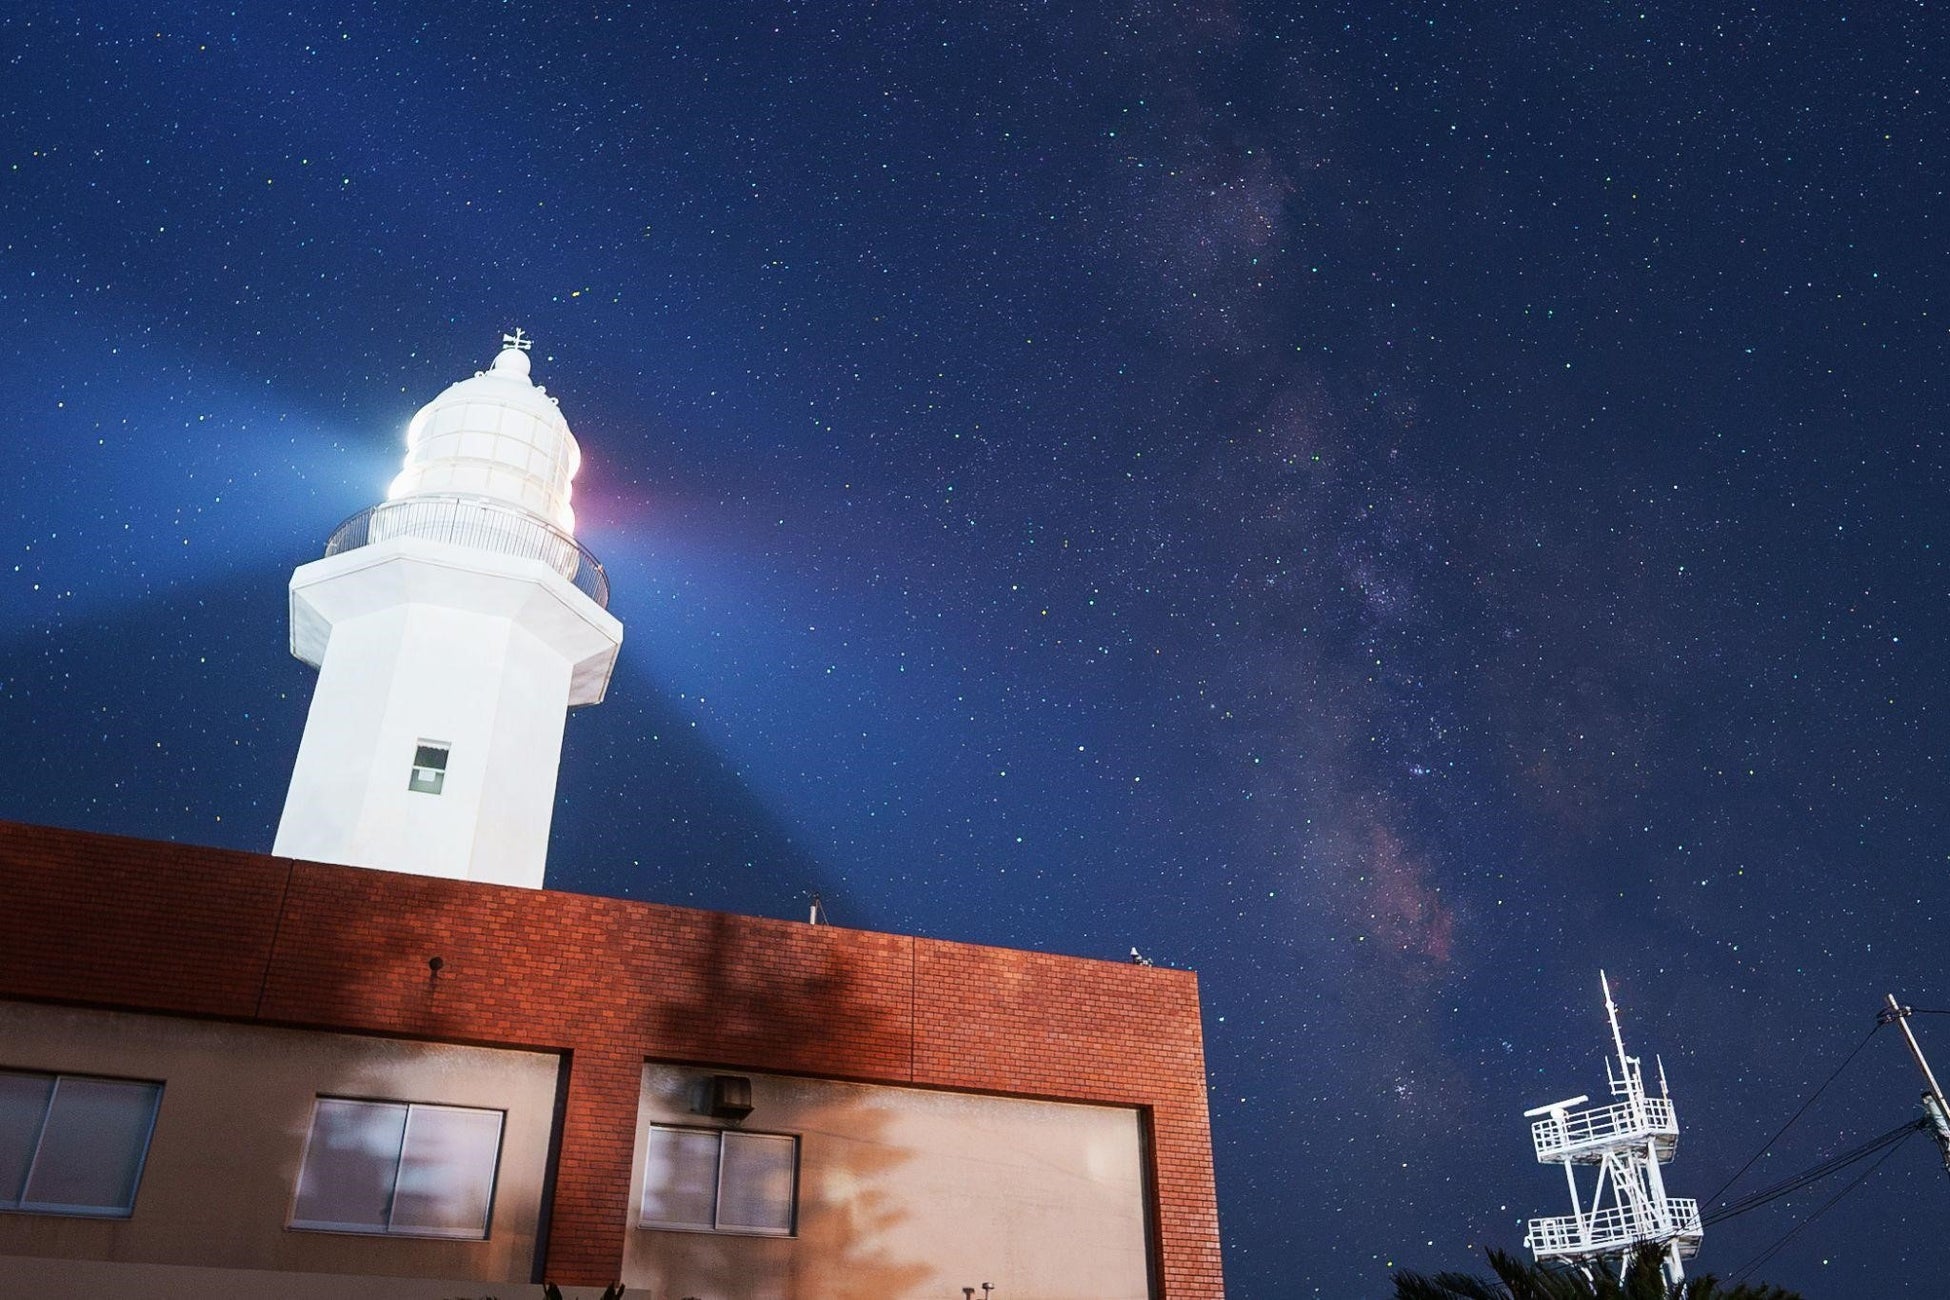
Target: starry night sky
x,y
1391,507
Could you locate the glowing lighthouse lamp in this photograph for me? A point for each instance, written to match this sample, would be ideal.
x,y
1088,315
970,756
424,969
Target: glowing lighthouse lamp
x,y
453,626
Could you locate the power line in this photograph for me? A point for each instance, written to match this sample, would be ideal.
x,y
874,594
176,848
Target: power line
x,y
1859,1179
1834,1164
1797,1115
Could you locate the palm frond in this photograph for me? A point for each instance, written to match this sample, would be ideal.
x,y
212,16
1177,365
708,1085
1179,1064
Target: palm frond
x,y
1521,1279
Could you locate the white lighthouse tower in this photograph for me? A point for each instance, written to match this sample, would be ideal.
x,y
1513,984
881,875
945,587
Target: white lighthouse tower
x,y
453,626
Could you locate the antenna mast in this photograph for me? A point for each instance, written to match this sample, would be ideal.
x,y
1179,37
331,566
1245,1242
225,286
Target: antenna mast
x,y
1935,1108
1627,1141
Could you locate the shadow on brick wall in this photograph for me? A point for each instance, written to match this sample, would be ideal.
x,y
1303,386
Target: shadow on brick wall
x,y
827,1003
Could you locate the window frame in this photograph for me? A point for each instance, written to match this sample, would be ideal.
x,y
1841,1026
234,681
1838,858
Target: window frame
x,y
293,1223
429,778
23,1205
716,1229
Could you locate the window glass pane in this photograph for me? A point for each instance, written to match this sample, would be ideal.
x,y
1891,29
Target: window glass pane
x,y
680,1178
350,1164
23,1104
91,1152
446,1173
755,1188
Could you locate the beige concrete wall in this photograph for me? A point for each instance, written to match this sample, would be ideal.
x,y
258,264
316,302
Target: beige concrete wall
x,y
905,1192
69,1279
230,1133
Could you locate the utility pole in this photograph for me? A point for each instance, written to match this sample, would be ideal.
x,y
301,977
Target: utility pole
x,y
1934,1106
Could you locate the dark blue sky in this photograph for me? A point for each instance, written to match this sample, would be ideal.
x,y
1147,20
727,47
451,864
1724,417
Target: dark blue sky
x,y
1393,507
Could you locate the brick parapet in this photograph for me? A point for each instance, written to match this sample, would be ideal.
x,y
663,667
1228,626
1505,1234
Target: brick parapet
x,y
100,920
119,922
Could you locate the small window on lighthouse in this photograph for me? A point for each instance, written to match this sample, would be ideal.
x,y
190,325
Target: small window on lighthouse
x,y
429,767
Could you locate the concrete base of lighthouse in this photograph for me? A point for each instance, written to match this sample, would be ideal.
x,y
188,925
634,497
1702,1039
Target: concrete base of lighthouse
x,y
426,648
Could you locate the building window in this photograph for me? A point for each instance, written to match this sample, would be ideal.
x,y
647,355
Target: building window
x,y
70,1144
429,767
717,1180
399,1168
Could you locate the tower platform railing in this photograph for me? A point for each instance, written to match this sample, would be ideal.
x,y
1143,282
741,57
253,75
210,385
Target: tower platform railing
x,y
477,522
1615,1229
1587,1134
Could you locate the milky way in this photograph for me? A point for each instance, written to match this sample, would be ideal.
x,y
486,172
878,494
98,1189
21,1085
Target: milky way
x,y
1392,509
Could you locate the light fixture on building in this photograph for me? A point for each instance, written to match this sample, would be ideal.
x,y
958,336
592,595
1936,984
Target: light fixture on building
x,y
729,1096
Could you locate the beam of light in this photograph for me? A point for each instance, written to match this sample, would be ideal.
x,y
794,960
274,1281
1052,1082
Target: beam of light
x,y
892,750
145,468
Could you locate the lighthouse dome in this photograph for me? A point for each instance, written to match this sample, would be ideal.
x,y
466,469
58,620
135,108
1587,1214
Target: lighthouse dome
x,y
496,436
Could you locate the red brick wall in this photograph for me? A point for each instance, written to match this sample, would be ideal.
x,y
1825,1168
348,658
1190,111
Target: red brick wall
x,y
137,925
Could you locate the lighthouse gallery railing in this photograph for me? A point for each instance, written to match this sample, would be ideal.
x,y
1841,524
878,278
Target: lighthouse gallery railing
x,y
480,523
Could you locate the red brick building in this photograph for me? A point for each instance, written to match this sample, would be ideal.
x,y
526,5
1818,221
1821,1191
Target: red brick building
x,y
933,1115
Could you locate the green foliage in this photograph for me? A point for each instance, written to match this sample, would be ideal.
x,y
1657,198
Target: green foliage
x,y
1522,1280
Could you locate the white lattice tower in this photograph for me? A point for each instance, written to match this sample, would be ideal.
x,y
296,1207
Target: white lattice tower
x,y
1624,1145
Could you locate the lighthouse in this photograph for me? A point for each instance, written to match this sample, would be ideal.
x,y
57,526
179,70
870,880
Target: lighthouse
x,y
453,627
